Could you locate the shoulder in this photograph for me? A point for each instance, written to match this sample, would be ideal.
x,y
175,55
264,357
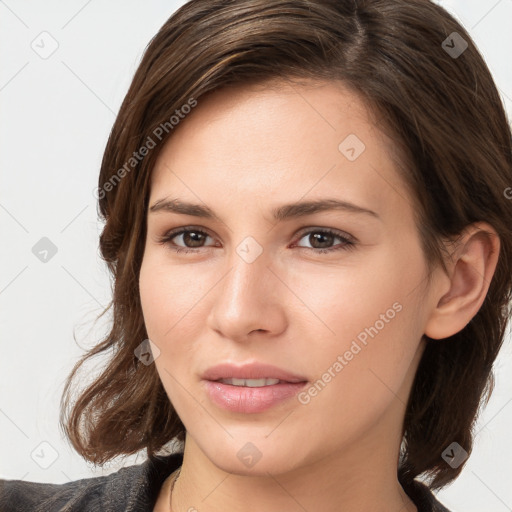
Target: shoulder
x,y
130,489
21,496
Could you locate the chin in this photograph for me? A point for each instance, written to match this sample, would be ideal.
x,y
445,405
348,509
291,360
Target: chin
x,y
254,458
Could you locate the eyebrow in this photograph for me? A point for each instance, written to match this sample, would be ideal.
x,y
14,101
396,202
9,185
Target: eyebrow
x,y
281,213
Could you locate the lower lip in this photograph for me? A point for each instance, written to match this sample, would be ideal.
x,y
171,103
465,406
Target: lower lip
x,y
250,400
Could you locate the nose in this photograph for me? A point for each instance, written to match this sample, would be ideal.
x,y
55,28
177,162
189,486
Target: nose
x,y
248,300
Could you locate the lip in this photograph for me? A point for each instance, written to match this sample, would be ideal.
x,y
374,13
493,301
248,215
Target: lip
x,y
250,371
247,400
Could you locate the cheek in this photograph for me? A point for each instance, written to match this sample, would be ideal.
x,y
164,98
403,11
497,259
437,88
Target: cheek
x,y
374,293
168,295
332,305
377,323
175,306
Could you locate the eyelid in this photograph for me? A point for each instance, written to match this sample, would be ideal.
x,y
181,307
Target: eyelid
x,y
334,231
303,231
348,241
183,229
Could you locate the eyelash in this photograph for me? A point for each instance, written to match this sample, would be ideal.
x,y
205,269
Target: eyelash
x,y
348,244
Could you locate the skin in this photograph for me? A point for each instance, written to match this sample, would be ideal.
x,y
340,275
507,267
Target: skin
x,y
242,152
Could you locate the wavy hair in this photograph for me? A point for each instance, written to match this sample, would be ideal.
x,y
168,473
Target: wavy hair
x,y
455,146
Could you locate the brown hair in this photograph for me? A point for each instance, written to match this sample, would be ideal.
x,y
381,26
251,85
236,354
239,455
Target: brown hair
x,y
444,114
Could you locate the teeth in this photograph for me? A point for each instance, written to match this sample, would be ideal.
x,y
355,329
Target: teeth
x,y
251,383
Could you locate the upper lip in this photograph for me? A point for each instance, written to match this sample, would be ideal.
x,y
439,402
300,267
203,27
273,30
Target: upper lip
x,y
250,371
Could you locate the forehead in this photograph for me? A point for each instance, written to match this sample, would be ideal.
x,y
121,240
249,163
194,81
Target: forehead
x,y
279,138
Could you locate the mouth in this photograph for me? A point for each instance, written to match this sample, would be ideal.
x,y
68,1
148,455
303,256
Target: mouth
x,y
252,383
254,374
251,388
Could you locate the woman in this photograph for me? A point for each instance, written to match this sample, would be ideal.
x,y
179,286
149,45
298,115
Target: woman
x,y
306,214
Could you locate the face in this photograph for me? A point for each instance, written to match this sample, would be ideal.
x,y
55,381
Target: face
x,y
334,296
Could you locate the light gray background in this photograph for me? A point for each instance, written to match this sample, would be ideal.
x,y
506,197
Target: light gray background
x,y
56,116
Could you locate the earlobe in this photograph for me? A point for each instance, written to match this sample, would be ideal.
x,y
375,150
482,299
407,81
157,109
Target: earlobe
x,y
473,265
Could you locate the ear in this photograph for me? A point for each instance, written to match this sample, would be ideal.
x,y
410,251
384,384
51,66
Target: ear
x,y
461,294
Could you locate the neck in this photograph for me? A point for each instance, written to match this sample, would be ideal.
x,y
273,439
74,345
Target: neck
x,y
362,479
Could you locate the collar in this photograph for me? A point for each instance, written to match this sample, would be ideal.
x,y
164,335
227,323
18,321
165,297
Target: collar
x,y
141,486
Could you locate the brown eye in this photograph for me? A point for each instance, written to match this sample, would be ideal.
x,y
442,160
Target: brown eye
x,y
321,240
190,238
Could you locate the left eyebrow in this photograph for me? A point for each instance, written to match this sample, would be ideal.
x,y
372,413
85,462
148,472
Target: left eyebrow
x,y
281,213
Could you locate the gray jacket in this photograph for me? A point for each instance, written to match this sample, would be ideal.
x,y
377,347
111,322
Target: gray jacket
x,y
131,489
